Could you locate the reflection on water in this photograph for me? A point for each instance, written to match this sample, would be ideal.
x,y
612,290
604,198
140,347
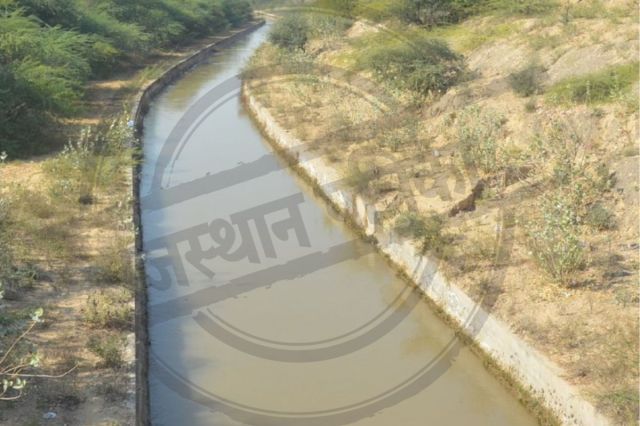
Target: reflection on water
x,y
301,342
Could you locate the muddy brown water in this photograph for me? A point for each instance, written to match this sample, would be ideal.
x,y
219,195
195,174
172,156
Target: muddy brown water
x,y
333,339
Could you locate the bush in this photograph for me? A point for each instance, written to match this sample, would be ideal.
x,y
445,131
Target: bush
x,y
604,86
422,66
410,224
559,147
478,132
433,238
554,238
431,13
290,32
108,349
527,81
237,11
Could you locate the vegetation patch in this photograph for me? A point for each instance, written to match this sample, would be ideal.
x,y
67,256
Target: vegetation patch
x,y
424,66
110,309
609,85
527,81
109,349
478,132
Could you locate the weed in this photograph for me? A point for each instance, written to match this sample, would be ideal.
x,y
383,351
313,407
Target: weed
x,y
478,131
109,349
109,309
114,264
531,106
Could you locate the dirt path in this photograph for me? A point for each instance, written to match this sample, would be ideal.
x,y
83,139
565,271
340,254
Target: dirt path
x,y
72,248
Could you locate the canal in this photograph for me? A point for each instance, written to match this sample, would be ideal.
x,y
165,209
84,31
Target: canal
x,y
265,308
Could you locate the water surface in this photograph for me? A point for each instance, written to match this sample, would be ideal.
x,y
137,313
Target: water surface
x,y
250,352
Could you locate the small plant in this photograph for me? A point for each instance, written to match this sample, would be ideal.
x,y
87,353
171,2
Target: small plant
x,y
114,265
410,224
426,229
599,218
109,349
109,309
478,132
561,147
527,81
530,106
405,133
554,239
433,238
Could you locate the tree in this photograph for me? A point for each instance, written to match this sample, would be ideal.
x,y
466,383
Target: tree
x,y
290,32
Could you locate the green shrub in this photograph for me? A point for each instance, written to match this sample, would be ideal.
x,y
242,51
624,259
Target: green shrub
x,y
527,81
554,238
423,66
109,349
290,32
605,86
478,131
